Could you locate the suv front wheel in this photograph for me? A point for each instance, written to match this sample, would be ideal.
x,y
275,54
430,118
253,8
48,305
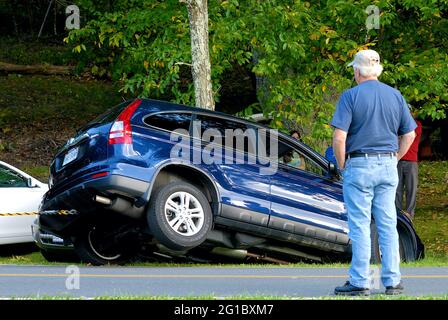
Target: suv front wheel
x,y
179,216
406,247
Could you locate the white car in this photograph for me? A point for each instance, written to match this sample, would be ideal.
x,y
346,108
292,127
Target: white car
x,y
20,196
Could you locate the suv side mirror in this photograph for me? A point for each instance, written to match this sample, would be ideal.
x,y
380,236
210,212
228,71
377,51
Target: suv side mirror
x,y
333,170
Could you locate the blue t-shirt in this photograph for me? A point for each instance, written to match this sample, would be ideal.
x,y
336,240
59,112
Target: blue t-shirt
x,y
373,114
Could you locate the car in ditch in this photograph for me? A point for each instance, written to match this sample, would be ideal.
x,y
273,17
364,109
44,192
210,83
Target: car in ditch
x,y
181,181
20,196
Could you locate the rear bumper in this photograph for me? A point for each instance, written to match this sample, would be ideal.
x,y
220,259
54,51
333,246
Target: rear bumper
x,y
48,241
80,203
80,196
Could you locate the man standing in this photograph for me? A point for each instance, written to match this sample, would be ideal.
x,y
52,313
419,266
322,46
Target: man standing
x,y
367,121
408,175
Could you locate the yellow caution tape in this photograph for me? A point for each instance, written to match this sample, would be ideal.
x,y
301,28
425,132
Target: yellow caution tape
x,y
18,214
35,213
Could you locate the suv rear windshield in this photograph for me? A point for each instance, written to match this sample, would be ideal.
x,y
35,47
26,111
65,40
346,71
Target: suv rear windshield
x,y
108,116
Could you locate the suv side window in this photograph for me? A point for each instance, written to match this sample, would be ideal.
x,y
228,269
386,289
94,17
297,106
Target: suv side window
x,y
291,157
11,179
244,139
169,121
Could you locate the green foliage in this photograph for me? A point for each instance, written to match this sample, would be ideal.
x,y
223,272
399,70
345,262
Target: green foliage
x,y
33,52
299,48
144,45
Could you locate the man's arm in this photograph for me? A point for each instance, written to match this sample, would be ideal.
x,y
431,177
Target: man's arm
x,y
339,138
405,142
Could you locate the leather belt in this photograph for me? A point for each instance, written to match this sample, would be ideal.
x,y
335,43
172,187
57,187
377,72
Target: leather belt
x,y
367,155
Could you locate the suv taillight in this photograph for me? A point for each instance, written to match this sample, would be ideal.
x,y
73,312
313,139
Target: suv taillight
x,y
121,131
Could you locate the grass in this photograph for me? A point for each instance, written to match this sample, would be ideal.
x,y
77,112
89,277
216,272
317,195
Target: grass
x,y
32,257
260,297
25,254
28,52
431,216
39,172
39,113
39,100
238,297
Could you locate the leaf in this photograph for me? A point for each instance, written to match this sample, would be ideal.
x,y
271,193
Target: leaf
x,y
77,49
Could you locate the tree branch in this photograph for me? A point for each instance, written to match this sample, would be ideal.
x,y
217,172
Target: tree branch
x,y
184,64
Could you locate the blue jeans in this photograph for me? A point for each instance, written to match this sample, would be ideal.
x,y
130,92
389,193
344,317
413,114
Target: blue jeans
x,y
369,189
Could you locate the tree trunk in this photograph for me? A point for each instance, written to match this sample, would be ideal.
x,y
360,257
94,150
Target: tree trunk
x,y
14,19
201,70
30,17
55,22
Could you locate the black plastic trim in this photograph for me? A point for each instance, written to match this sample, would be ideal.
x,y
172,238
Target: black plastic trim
x,y
266,232
308,231
244,215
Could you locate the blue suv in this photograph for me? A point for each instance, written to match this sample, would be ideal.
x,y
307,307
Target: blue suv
x,y
163,177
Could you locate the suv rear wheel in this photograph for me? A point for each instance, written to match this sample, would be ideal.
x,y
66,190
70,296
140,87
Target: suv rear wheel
x,y
179,216
97,246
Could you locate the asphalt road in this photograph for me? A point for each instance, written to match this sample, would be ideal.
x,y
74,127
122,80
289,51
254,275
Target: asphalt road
x,y
38,281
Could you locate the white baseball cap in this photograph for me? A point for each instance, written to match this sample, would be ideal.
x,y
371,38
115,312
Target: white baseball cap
x,y
365,58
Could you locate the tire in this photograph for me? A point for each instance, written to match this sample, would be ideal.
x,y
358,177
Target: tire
x,y
193,223
407,252
94,246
